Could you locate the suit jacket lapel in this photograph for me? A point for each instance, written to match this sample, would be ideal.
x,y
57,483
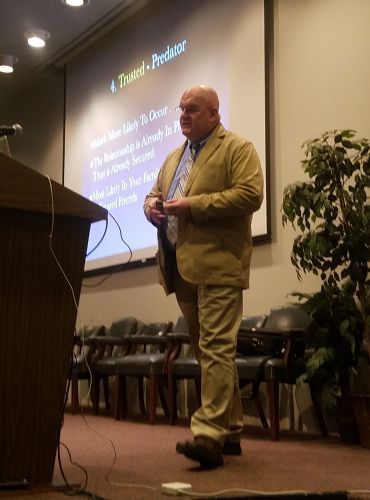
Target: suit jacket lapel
x,y
171,169
210,147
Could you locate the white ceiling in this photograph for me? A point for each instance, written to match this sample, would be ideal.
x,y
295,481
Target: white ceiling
x,y
71,29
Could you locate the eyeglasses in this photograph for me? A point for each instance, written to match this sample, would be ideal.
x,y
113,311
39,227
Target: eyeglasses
x,y
189,111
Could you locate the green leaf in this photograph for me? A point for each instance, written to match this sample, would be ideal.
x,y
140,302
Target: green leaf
x,y
301,380
320,357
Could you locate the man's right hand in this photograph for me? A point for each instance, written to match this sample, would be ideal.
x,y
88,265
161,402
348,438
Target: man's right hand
x,y
156,210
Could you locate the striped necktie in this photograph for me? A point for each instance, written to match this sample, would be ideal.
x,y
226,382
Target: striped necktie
x,y
172,221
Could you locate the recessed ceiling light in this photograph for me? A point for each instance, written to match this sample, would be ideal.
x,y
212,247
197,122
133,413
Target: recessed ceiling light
x,y
7,63
37,38
75,3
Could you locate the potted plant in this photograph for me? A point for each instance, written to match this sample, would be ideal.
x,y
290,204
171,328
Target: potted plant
x,y
331,211
333,340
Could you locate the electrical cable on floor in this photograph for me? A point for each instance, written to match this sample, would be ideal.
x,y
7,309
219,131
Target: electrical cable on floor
x,y
109,481
71,491
218,494
82,491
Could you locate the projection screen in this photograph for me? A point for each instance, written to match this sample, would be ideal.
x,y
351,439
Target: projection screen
x,y
121,118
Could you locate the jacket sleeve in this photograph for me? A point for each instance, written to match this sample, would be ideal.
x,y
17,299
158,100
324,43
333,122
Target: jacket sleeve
x,y
164,179
148,198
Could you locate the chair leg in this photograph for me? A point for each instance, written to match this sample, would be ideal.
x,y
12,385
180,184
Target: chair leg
x,y
106,392
291,407
120,397
172,389
95,393
198,390
140,382
318,412
273,395
173,404
74,393
152,398
117,398
123,384
300,424
163,400
260,411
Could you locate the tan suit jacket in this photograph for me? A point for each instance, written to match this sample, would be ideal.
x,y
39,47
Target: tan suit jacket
x,y
225,187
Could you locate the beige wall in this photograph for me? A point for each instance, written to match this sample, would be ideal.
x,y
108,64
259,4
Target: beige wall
x,y
321,81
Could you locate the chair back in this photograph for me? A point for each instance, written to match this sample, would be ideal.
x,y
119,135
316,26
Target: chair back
x,y
120,329
123,327
180,326
154,329
290,318
287,318
157,328
186,347
82,346
249,322
90,331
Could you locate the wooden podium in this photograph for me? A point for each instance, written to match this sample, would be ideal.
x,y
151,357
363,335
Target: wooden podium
x,y
37,314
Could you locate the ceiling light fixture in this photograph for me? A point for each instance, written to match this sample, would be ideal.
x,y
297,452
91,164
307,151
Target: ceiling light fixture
x,y
75,3
7,63
37,38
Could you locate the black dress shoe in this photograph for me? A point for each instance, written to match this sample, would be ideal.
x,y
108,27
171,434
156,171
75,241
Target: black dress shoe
x,y
204,450
232,448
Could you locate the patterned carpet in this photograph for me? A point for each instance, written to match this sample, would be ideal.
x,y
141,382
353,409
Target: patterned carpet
x,y
131,460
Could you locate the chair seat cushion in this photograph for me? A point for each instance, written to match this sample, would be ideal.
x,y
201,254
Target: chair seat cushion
x,y
105,366
186,367
247,366
141,364
79,364
274,369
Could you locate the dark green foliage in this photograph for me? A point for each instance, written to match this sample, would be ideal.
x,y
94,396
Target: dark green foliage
x,y
333,339
332,212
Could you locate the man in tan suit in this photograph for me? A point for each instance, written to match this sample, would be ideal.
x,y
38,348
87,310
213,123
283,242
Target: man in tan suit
x,y
202,204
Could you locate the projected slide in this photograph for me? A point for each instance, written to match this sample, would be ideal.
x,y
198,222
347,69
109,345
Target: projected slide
x,y
121,117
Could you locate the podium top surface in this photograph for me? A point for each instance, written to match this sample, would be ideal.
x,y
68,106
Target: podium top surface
x,y
22,188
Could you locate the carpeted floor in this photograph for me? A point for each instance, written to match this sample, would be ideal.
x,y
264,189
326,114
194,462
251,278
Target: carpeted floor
x,y
131,459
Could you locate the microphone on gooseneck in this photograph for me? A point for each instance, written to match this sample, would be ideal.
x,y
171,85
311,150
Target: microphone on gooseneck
x,y
15,129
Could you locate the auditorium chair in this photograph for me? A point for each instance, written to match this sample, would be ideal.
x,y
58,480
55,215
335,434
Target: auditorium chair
x,y
114,345
84,346
290,323
248,366
183,365
146,360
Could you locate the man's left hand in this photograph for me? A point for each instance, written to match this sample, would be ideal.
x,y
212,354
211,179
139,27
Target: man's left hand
x,y
179,207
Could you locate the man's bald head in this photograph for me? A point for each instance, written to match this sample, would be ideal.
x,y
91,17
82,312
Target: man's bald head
x,y
206,94
200,112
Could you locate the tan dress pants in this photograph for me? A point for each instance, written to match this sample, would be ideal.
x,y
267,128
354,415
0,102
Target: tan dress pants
x,y
213,315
